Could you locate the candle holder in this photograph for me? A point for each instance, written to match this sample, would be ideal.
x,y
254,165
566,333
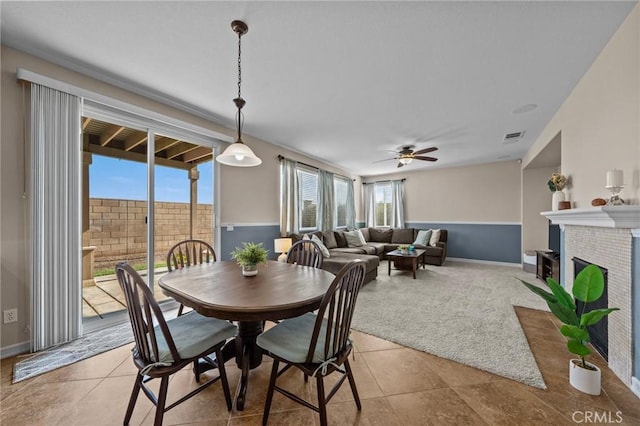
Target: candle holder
x,y
615,199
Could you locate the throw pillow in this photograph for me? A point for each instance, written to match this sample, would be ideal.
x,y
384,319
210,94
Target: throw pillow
x,y
363,240
435,237
306,237
329,239
323,248
423,238
354,238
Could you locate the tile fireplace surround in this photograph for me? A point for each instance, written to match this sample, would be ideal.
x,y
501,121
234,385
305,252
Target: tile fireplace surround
x,y
609,237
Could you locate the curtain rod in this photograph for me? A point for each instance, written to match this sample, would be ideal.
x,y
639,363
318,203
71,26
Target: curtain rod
x,y
280,158
383,181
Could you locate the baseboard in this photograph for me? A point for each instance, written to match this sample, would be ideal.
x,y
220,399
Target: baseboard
x,y
13,350
486,262
635,386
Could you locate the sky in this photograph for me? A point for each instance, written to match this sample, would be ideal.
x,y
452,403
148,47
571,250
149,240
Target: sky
x,y
123,179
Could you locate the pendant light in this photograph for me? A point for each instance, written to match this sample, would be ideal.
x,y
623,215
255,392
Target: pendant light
x,y
238,154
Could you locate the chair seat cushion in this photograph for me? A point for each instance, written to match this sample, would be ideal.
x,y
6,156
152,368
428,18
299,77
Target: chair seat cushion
x,y
193,334
290,339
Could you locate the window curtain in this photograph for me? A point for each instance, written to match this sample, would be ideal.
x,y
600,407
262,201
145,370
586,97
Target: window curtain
x,y
289,220
55,216
369,195
397,204
351,206
325,200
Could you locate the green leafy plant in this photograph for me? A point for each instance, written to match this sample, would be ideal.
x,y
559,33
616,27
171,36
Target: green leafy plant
x,y
587,287
250,254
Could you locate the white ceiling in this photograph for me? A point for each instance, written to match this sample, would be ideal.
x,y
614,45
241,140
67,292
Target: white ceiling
x,y
340,81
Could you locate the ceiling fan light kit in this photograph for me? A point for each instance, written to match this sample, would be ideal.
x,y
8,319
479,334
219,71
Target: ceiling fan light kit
x,y
238,154
406,155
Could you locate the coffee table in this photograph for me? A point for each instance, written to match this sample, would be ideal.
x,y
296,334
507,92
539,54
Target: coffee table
x,y
413,258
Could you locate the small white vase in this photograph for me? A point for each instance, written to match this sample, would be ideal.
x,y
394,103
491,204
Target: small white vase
x,y
555,200
587,381
250,270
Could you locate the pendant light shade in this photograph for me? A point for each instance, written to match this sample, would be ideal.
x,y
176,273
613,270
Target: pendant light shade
x,y
238,154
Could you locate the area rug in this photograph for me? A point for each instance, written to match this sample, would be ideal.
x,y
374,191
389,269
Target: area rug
x,y
459,311
86,346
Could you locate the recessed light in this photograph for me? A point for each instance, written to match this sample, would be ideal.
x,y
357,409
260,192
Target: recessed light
x,y
524,109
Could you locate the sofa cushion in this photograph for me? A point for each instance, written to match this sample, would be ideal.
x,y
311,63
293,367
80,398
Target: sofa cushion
x,y
341,241
365,234
435,237
354,238
379,247
423,237
380,235
337,261
329,239
323,248
402,236
352,250
433,251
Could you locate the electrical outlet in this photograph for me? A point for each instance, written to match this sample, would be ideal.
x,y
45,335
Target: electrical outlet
x,y
10,315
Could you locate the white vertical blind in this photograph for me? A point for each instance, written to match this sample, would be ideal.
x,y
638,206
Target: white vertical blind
x,y
55,217
308,198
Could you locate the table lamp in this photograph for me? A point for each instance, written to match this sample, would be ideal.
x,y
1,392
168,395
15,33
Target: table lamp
x,y
282,245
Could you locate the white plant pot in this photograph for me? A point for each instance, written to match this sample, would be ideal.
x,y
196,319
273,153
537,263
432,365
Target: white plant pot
x,y
587,381
250,271
555,200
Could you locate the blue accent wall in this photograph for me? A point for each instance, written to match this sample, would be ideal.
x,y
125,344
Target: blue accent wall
x,y
491,242
635,303
360,225
255,234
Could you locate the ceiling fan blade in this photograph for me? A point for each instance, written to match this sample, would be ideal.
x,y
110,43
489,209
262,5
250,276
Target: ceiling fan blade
x,y
387,159
400,165
418,157
424,151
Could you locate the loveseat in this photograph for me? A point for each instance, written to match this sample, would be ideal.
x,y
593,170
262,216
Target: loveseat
x,y
377,242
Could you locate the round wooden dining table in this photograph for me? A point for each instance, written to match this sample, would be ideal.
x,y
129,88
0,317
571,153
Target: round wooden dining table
x,y
218,289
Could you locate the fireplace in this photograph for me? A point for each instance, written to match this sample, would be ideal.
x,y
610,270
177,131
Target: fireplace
x,y
599,333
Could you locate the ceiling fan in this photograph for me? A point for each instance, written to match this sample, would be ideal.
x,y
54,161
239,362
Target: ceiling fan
x,y
406,155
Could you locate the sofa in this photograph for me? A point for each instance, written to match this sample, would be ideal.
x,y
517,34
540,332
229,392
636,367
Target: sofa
x,y
378,243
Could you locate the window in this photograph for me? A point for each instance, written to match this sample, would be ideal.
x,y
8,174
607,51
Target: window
x,y
340,202
308,196
383,203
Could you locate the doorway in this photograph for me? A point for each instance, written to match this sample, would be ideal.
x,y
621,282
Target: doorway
x,y
117,210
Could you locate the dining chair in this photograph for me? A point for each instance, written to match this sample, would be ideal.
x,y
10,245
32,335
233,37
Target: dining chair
x,y
305,253
187,253
318,344
164,347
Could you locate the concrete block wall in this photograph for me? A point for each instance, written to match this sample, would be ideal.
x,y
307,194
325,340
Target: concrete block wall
x,y
118,230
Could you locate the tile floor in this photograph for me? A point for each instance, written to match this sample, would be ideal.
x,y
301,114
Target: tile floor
x,y
397,385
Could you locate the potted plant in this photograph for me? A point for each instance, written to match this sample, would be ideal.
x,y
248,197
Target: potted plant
x,y
587,287
249,256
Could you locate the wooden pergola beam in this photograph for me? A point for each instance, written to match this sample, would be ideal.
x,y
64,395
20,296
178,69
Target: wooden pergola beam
x,y
134,156
85,122
134,140
109,133
165,143
180,149
196,154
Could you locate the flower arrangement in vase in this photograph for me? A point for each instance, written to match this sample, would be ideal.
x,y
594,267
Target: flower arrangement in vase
x,y
556,184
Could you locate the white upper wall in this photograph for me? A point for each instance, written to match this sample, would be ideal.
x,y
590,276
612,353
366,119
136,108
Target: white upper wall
x,y
479,193
600,121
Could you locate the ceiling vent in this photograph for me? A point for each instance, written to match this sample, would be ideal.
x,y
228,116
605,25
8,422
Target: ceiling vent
x,y
513,137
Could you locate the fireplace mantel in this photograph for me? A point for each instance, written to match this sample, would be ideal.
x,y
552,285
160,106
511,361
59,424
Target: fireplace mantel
x,y
605,217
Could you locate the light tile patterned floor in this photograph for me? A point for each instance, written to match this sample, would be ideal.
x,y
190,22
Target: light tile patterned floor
x,y
96,391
